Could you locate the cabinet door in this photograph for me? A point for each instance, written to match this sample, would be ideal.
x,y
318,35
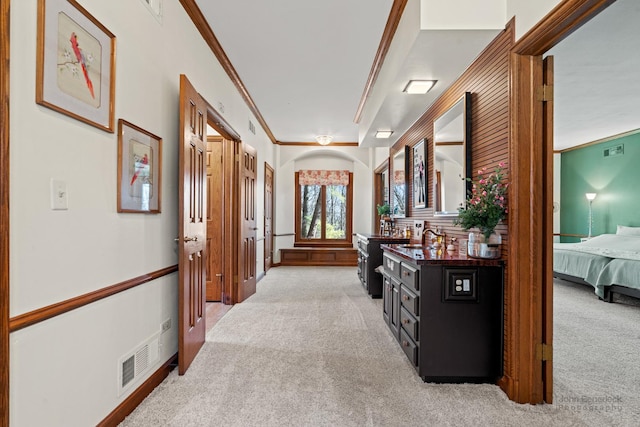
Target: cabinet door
x,y
387,291
394,319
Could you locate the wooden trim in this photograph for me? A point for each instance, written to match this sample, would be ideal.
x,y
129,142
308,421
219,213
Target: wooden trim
x,y
215,119
306,144
323,244
527,270
598,141
4,211
41,314
134,399
319,256
387,37
563,20
209,37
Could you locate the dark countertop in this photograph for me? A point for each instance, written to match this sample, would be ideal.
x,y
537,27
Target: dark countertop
x,y
425,255
382,238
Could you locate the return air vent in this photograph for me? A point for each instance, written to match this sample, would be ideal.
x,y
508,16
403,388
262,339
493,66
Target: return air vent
x,y
252,127
128,371
137,362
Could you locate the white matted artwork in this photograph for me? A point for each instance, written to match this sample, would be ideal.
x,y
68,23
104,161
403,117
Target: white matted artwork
x,y
75,63
139,169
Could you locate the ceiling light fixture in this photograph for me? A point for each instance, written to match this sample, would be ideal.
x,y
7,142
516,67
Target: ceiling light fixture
x,y
383,133
419,86
324,139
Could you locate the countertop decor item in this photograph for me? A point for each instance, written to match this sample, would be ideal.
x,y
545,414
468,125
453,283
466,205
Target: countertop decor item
x,y
485,207
486,204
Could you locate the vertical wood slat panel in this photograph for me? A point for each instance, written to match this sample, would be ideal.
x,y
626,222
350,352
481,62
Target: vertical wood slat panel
x,y
488,81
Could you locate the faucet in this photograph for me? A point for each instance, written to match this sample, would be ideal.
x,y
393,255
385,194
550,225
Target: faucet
x,y
437,241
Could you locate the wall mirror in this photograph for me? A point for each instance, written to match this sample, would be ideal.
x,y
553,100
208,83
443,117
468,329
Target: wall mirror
x,y
399,183
381,186
452,157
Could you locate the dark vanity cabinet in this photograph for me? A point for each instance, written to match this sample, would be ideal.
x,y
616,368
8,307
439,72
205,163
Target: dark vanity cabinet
x,y
370,257
446,311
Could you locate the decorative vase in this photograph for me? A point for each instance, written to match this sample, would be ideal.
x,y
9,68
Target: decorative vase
x,y
481,247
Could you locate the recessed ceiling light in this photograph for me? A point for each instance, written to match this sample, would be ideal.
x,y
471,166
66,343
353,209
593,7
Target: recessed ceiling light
x,y
419,86
383,133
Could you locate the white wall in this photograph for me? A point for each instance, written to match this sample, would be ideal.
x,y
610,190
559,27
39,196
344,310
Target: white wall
x,y
528,13
64,371
292,159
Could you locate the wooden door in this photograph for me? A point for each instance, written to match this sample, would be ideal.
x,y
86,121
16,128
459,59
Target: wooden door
x,y
215,219
247,247
547,223
192,229
269,197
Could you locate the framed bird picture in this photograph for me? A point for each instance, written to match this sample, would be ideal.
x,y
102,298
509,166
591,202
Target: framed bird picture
x,y
75,63
139,169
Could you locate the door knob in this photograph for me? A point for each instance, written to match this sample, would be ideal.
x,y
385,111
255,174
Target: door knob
x,y
187,239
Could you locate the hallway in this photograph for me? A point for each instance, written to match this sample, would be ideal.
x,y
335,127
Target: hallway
x,y
311,348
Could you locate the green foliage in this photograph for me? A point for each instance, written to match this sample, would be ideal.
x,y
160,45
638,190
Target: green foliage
x,y
383,209
486,204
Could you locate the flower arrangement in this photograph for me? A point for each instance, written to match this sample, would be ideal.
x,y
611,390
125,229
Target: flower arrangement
x,y
486,204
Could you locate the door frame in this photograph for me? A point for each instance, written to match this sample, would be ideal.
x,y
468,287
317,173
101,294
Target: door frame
x,y
269,206
231,142
529,281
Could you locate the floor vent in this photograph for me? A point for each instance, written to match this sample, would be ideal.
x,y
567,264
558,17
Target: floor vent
x,y
136,362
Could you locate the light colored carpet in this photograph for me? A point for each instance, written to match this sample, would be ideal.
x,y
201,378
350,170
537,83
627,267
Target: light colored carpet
x,y
596,355
310,348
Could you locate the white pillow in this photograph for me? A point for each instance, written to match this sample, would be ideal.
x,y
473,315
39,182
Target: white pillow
x,y
628,231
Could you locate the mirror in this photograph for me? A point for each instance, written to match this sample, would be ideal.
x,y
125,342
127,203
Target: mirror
x,y
452,157
381,188
399,184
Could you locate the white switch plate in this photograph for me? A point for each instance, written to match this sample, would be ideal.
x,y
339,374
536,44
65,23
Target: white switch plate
x,y
418,229
59,195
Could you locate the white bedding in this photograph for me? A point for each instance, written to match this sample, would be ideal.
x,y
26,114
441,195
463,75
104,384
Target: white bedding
x,y
607,245
608,259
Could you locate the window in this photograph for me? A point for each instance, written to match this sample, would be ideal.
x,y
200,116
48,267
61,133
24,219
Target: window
x,y
323,208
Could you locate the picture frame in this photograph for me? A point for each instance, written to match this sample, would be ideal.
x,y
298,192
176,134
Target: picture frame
x,y
420,175
139,169
75,63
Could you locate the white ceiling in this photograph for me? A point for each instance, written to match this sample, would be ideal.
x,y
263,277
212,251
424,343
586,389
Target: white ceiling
x,y
305,65
597,84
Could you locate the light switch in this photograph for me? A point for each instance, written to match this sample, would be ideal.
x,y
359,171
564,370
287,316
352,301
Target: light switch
x,y
59,195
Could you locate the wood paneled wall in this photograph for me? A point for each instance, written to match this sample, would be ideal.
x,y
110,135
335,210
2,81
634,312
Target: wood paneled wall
x,y
487,78
488,81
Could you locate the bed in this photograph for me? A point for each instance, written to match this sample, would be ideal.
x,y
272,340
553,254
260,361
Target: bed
x,y
610,263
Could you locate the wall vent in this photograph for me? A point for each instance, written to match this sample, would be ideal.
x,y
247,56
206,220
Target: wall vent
x,y
617,150
128,371
137,362
155,8
252,127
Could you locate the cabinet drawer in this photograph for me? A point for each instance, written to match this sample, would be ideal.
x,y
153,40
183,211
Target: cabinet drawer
x,y
409,324
410,301
391,264
409,347
410,276
363,245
